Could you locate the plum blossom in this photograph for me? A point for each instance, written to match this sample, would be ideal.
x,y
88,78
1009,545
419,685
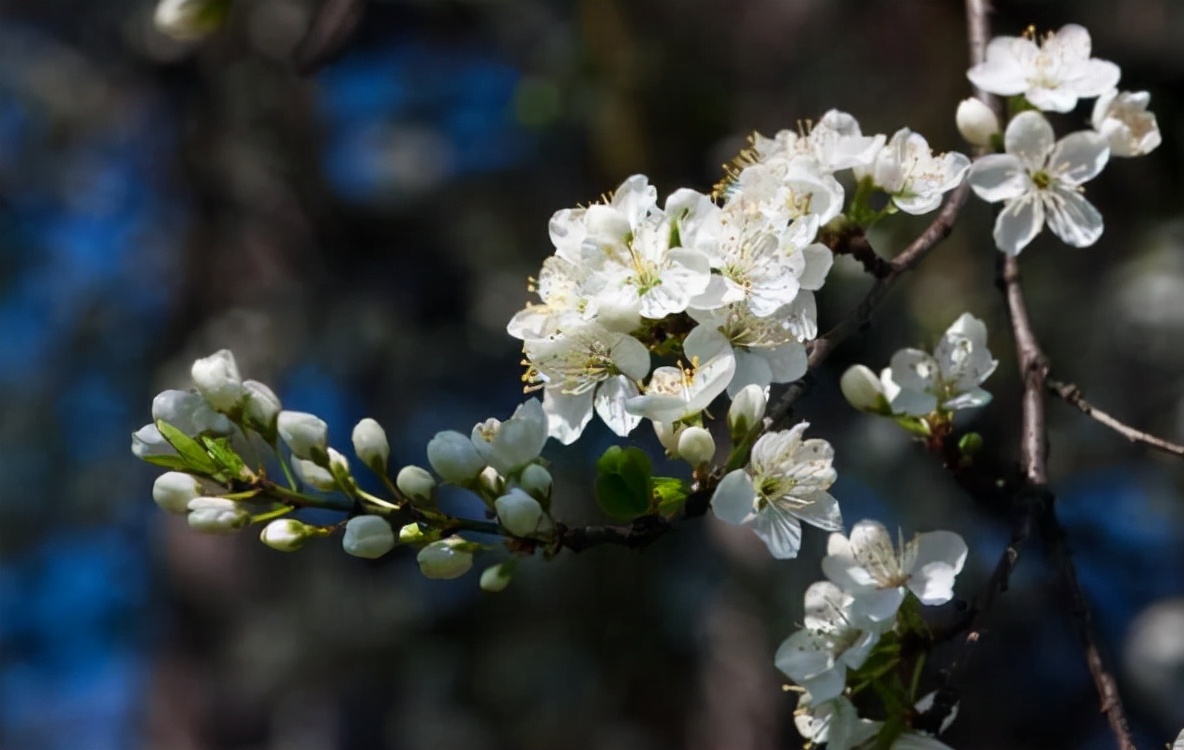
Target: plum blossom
x,y
834,721
867,566
1040,180
908,171
1052,74
510,445
835,142
681,392
1123,118
785,483
917,382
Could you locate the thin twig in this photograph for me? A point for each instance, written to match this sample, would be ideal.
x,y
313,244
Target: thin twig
x,y
1072,396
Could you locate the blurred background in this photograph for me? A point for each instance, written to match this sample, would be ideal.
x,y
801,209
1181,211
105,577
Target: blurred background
x,y
355,209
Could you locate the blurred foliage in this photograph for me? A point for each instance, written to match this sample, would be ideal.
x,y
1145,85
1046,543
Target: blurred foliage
x,y
359,235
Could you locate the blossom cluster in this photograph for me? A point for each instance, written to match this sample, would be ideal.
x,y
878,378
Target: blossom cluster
x,y
855,618
1039,178
721,285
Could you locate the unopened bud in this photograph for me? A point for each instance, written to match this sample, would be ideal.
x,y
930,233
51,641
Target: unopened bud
x,y
454,458
173,490
976,122
696,446
189,413
218,381
368,536
444,560
416,483
497,577
286,534
518,513
536,480
306,435
216,515
147,441
317,477
747,410
491,482
339,467
371,445
189,19
864,390
667,435
262,407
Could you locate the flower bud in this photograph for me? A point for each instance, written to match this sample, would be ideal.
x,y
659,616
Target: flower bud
x,y
864,390
412,533
317,477
189,19
371,445
443,560
339,467
261,408
454,458
147,441
490,482
976,122
696,446
216,515
286,534
510,445
306,435
747,410
536,480
667,435
173,490
189,413
497,577
416,483
218,381
518,512
368,536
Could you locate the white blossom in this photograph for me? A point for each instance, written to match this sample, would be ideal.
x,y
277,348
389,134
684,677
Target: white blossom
x,y
371,445
864,390
908,171
537,481
1040,180
834,722
218,381
306,435
918,382
261,407
696,446
785,189
785,483
1052,75
835,638
496,577
508,446
519,513
216,515
1122,117
977,122
317,477
747,409
681,392
189,413
286,534
454,457
835,142
173,490
877,575
368,536
415,482
444,559
147,441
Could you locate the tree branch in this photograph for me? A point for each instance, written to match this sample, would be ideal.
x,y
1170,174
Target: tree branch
x,y
1072,396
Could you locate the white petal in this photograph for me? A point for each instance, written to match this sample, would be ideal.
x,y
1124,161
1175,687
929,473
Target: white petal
x,y
780,531
631,357
1060,98
802,657
876,604
733,498
751,369
915,741
1079,157
1018,223
999,177
819,259
1072,218
610,404
1030,137
788,361
940,556
567,416
1096,77
1002,72
823,512
971,399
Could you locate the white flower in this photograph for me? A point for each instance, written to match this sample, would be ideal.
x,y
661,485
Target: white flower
x,y
785,483
537,481
147,441
368,536
496,577
444,559
834,722
747,409
189,19
676,393
415,482
833,640
1179,743
563,303
908,171
508,446
218,381
864,390
1052,75
317,477
519,513
1040,180
976,122
588,367
835,142
371,445
173,490
216,515
189,413
696,446
454,458
917,382
869,568
262,407
306,435
788,188
1123,118
286,534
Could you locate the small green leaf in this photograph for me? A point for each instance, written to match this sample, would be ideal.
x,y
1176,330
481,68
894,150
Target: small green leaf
x,y
623,482
670,493
195,458
220,451
176,463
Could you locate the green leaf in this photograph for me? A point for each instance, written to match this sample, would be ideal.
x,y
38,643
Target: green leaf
x,y
670,493
220,451
623,482
195,458
175,463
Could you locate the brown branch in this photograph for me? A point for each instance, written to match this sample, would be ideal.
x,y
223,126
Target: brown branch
x,y
1072,396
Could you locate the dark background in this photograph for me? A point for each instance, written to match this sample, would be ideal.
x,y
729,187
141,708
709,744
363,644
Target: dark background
x,y
360,234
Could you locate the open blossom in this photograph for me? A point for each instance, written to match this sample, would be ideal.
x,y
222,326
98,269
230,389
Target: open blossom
x,y
1123,118
919,382
788,188
510,445
835,142
785,483
676,393
877,574
1039,179
908,171
835,638
1052,75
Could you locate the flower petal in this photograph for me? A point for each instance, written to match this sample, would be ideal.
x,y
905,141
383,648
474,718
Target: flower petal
x,y
1096,77
1018,223
1029,137
780,531
940,556
610,404
823,511
1079,157
733,498
1072,218
567,416
751,369
999,177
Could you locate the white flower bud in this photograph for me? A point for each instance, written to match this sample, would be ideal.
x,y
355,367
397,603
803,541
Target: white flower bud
x,y
415,482
339,466
216,515
189,19
696,446
490,482
976,122
668,436
747,409
442,559
371,445
368,536
262,406
518,512
147,441
317,477
497,577
218,381
864,390
189,413
173,490
286,534
537,481
454,458
306,435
